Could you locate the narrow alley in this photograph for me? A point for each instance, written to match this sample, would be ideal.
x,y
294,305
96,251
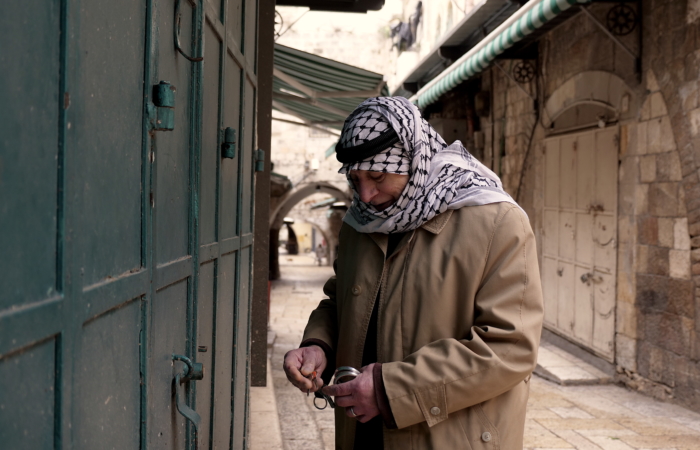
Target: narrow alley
x,y
606,417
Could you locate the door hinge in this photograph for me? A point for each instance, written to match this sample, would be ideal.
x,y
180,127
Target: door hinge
x,y
162,113
259,160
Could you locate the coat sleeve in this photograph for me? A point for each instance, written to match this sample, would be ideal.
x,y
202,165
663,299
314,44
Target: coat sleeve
x,y
501,349
323,322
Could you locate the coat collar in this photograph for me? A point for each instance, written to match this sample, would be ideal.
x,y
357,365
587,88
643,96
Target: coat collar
x,y
437,223
434,225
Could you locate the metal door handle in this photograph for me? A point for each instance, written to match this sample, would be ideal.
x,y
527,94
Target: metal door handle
x,y
176,32
192,372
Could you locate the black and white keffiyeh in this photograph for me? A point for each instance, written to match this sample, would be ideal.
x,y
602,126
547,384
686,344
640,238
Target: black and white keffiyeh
x,y
441,177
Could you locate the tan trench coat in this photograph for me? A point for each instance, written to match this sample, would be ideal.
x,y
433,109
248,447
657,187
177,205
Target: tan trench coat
x,y
459,323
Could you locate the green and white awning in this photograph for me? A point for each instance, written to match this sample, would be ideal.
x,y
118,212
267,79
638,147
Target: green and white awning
x,y
320,91
526,20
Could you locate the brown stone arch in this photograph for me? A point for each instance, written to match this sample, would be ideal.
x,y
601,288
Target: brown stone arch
x,y
285,205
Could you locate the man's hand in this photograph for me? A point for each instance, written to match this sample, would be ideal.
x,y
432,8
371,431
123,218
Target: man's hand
x,y
357,394
300,363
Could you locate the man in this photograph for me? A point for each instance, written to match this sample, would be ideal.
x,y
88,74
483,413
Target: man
x,y
319,254
436,298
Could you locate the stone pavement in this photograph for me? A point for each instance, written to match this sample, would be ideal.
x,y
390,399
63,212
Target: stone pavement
x,y
559,417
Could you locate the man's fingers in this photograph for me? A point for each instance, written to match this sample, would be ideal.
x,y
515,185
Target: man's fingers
x,y
345,401
309,367
339,390
291,369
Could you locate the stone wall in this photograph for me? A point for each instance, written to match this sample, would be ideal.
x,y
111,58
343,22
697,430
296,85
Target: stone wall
x,y
658,285
668,298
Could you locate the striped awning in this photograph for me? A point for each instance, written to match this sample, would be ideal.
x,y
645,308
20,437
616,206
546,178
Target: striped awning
x,y
320,91
532,16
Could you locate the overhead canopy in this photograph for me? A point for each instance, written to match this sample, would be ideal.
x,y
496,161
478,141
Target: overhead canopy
x,y
534,15
484,17
358,6
320,91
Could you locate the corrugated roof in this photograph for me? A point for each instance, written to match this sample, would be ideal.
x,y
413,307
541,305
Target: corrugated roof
x,y
320,91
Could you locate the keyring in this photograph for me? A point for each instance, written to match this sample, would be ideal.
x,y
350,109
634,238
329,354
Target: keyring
x,y
329,401
324,406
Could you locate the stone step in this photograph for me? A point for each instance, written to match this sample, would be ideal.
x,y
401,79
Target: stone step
x,y
561,367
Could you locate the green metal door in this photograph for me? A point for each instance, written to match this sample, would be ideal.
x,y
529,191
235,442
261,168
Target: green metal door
x,y
125,225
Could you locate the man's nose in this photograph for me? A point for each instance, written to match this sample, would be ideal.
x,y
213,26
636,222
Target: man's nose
x,y
367,191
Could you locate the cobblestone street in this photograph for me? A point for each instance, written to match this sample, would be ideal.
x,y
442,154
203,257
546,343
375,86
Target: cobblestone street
x,y
559,417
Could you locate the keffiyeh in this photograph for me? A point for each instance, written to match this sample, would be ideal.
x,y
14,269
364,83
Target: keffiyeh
x,y
441,177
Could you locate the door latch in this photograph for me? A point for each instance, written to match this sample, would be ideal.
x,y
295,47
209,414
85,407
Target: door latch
x,y
163,115
228,147
191,372
589,277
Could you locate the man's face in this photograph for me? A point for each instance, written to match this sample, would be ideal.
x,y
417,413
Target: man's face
x,y
379,189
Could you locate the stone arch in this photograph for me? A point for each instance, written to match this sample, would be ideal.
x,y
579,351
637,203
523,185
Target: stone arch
x,y
285,205
593,87
300,192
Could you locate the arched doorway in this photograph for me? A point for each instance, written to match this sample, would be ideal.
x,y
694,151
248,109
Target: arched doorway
x,y
580,210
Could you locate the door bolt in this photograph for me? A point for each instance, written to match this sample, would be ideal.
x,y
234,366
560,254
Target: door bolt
x,y
164,100
228,147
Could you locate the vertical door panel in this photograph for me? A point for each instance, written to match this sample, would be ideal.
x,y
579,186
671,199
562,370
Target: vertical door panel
x,y
108,137
205,334
584,243
248,139
551,233
109,378
168,335
241,319
223,371
234,20
210,153
585,171
567,172
550,290
604,242
251,31
567,235
583,321
551,180
27,408
229,167
606,169
566,305
30,142
604,324
31,217
172,148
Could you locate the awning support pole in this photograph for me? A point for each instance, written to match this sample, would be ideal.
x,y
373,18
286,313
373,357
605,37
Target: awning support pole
x,y
610,35
495,63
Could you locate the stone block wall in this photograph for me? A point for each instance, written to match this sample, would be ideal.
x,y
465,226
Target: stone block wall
x,y
669,302
657,339
509,126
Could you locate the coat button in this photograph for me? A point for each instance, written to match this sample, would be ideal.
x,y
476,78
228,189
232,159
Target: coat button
x,y
435,410
356,290
486,436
